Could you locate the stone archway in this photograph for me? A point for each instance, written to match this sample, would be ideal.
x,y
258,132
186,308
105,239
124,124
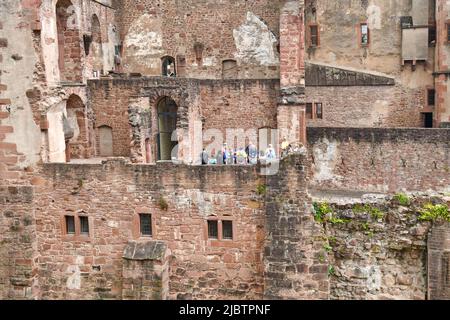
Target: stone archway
x,y
167,110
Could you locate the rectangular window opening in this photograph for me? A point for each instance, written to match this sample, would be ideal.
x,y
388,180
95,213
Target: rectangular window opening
x,y
227,230
314,36
84,225
428,119
432,36
319,111
309,111
146,225
431,94
213,229
364,34
448,32
70,225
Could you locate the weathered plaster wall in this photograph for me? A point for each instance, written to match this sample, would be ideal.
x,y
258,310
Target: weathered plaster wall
x,y
339,46
380,160
81,13
246,31
20,135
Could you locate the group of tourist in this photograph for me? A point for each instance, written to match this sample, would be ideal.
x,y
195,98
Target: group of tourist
x,y
241,156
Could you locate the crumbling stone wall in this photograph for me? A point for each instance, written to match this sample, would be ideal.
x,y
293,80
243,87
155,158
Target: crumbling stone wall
x,y
229,104
294,267
200,35
377,249
18,269
379,160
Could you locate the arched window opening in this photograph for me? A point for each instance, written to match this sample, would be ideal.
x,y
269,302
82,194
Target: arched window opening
x,y
105,134
168,67
96,50
77,121
167,125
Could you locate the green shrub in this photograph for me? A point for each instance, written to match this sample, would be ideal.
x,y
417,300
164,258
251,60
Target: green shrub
x,y
261,189
438,212
321,210
402,199
163,205
331,271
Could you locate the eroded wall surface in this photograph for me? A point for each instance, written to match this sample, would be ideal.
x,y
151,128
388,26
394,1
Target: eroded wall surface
x,y
200,35
379,160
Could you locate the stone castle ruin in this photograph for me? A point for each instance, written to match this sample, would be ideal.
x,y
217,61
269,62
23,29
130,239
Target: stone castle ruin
x,y
108,107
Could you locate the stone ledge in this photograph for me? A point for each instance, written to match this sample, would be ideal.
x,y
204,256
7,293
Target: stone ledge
x,y
150,250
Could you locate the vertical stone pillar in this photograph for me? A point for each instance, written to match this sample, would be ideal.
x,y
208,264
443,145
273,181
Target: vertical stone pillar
x,y
442,73
295,262
145,271
439,262
291,105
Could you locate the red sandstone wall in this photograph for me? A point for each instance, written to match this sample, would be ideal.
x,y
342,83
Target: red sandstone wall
x,y
368,106
229,104
112,194
210,23
379,160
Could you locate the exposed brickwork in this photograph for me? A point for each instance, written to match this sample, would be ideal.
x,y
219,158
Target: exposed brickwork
x,y
17,239
380,160
199,268
439,262
184,24
293,265
373,106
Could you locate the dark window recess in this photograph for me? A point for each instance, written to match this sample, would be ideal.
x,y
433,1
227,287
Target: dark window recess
x,y
168,67
84,225
406,22
70,225
227,230
309,111
428,120
146,225
213,229
448,32
364,34
431,97
314,36
319,111
87,40
432,36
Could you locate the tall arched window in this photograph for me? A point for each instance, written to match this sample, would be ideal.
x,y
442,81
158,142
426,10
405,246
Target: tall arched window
x,y
96,47
167,125
77,121
169,67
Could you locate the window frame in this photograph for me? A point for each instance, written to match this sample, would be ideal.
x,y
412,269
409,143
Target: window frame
x,y
142,235
310,38
447,24
314,114
66,225
428,97
77,235
360,34
220,228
